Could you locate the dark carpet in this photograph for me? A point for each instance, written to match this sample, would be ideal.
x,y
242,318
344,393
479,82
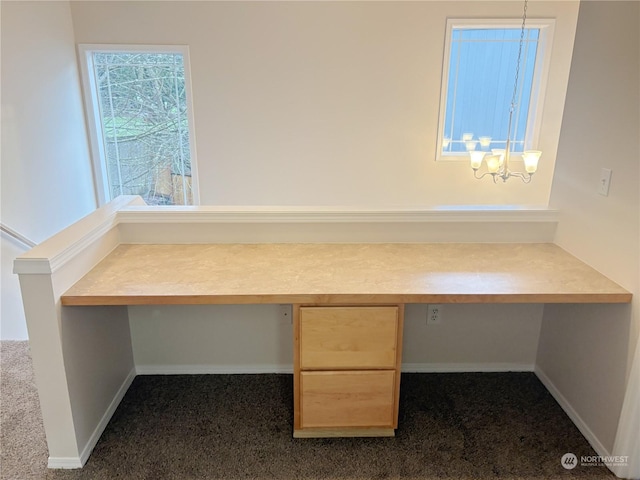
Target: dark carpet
x,y
452,426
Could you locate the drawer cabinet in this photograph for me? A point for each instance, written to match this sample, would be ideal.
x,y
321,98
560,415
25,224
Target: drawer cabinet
x,y
348,337
347,370
347,399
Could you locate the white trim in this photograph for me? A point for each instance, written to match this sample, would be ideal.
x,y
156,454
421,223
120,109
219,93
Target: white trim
x,y
571,413
54,253
212,369
539,85
57,251
627,440
75,248
31,266
280,368
253,214
102,424
64,462
195,182
16,236
92,117
466,367
78,462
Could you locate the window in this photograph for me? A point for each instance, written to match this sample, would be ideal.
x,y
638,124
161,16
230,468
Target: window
x,y
477,85
140,122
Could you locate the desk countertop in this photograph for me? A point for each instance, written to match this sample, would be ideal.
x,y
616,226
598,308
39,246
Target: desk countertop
x,y
342,273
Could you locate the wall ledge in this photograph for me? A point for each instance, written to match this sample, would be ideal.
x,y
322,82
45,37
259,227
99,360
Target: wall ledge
x,y
278,214
55,252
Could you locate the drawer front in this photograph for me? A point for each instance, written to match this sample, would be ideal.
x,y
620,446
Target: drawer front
x,y
347,399
348,337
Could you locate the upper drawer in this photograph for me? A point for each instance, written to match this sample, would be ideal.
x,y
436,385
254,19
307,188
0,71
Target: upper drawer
x,y
348,337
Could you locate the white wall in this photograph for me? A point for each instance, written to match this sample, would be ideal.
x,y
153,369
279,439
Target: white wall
x,y
586,351
296,103
46,171
12,322
327,103
256,338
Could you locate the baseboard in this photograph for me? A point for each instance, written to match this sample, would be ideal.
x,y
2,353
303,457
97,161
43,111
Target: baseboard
x,y
64,462
571,413
466,367
78,462
278,368
102,424
212,369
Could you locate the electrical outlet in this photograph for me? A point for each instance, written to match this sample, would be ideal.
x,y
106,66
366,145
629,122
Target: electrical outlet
x,y
434,314
286,313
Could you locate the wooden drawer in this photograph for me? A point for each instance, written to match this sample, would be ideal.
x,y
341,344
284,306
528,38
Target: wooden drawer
x,y
348,337
347,399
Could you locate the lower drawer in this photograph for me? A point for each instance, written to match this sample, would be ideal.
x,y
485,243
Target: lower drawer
x,y
347,399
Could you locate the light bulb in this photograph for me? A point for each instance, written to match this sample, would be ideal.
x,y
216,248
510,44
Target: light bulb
x,y
531,158
476,159
493,163
500,153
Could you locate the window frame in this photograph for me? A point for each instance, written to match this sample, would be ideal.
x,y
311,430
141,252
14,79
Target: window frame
x,y
92,111
539,84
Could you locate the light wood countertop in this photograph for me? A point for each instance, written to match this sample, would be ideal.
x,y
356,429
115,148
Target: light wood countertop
x,y
342,273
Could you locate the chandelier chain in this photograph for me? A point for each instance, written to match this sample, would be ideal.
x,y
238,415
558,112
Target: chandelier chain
x,y
498,163
515,83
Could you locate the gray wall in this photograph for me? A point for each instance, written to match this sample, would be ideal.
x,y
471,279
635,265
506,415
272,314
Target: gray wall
x,y
586,351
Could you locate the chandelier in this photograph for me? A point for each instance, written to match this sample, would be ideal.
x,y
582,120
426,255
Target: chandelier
x,y
497,162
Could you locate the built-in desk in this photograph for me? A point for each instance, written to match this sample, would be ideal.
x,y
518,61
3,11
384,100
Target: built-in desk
x,y
342,274
349,298
348,305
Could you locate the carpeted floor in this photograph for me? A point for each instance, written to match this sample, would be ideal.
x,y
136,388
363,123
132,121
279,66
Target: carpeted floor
x,y
452,426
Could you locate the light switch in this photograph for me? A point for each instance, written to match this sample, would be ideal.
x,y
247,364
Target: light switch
x,y
605,180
